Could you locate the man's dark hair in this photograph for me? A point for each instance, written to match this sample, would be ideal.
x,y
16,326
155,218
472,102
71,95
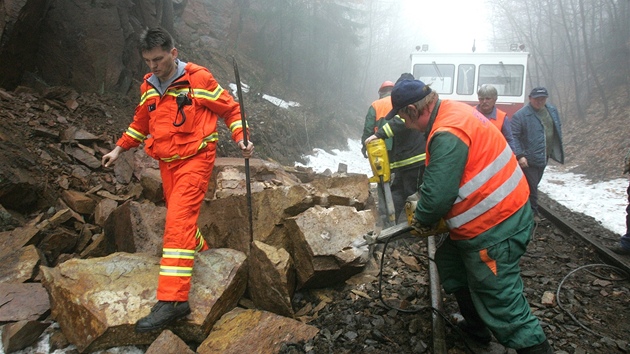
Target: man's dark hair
x,y
156,37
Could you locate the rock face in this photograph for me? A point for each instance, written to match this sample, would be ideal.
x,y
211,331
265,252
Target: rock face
x,y
92,46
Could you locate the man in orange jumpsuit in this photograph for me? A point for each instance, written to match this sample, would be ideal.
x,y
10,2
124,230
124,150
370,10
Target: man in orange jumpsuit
x,y
176,119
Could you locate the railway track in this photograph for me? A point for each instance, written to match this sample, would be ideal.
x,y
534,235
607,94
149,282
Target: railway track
x,y
622,262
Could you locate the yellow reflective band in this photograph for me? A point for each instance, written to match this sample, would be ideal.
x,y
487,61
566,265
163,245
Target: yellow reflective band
x,y
148,94
199,237
176,271
178,253
388,130
177,91
208,95
210,138
135,134
409,161
236,125
169,159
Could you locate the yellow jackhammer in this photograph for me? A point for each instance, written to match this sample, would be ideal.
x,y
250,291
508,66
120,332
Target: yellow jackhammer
x,y
379,161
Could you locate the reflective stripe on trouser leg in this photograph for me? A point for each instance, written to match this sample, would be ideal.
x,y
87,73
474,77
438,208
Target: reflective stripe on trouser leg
x,y
186,183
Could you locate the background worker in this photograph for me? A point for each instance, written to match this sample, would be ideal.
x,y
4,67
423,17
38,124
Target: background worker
x,y
474,183
624,242
176,119
537,133
406,158
373,120
377,111
487,96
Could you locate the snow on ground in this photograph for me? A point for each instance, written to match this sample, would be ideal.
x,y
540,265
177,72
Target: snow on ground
x,y
604,201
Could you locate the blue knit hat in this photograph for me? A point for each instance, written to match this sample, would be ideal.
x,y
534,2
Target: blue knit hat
x,y
405,93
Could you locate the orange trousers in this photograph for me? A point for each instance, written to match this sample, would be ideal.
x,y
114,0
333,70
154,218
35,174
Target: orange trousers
x,y
185,183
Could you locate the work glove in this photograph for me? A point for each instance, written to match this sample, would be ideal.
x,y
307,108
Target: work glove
x,y
422,230
626,163
364,151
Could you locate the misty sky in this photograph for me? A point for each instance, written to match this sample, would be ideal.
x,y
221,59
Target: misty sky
x,y
455,24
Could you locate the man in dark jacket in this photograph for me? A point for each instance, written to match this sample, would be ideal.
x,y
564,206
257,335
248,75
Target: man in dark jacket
x,y
537,134
406,158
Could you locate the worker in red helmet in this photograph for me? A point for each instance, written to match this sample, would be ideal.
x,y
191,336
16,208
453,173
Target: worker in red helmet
x,y
377,111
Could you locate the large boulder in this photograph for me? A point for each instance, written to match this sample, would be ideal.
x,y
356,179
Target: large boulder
x,y
98,301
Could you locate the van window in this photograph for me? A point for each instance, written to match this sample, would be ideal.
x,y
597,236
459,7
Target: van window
x,y
508,79
466,79
440,76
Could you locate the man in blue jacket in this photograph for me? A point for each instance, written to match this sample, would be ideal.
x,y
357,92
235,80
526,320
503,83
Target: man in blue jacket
x,y
537,134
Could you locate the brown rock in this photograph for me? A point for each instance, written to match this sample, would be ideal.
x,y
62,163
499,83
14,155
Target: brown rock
x,y
98,301
151,182
18,238
23,302
21,265
103,209
271,279
79,202
19,335
168,343
322,239
251,331
136,227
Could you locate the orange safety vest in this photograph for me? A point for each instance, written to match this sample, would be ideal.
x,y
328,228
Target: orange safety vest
x,y
498,122
493,186
381,107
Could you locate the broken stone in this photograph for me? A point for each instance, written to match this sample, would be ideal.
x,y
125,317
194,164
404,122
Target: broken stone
x,y
78,201
21,266
83,157
322,238
23,302
103,209
98,301
548,299
168,343
19,335
271,279
136,227
252,331
151,182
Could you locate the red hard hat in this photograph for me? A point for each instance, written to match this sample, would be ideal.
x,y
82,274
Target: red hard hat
x,y
385,85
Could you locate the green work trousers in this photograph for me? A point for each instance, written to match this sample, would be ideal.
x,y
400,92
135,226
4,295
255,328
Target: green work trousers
x,y
494,279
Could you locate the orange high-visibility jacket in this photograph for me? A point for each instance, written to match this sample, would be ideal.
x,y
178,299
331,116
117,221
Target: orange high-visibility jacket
x,y
493,186
168,142
381,107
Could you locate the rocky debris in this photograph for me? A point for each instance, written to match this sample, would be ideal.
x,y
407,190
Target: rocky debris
x,y
254,331
21,334
99,239
23,302
168,343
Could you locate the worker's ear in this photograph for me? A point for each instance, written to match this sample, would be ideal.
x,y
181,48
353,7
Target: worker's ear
x,y
411,108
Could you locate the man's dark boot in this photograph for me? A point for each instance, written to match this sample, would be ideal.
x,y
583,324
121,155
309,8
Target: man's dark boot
x,y
542,348
472,324
162,313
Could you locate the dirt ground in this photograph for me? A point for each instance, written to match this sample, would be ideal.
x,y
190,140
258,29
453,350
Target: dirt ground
x,y
590,315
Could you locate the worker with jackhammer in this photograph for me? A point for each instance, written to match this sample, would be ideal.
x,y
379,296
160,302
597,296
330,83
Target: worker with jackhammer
x,y
406,158
473,182
373,121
